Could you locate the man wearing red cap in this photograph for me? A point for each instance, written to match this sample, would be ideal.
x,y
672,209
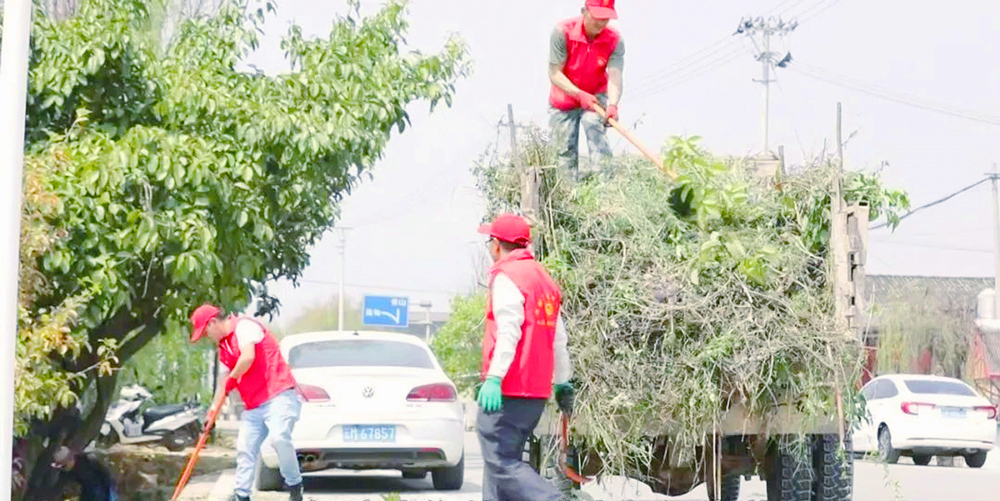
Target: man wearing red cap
x,y
259,371
524,355
586,58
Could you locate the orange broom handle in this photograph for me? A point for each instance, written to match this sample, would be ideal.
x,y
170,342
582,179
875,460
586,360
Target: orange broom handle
x,y
632,139
186,475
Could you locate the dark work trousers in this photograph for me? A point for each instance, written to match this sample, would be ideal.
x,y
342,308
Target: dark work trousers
x,y
502,435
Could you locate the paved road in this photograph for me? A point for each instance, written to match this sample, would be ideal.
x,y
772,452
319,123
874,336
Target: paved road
x,y
873,482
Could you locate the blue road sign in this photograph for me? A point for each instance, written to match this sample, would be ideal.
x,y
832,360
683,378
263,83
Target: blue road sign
x,y
387,311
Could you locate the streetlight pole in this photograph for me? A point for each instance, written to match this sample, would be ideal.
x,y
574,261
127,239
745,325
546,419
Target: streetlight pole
x,y
343,271
13,95
427,326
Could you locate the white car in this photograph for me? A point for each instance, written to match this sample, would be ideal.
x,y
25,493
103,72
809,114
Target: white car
x,y
925,416
371,401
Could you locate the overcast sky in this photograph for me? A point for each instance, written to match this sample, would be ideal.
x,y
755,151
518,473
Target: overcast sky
x,y
414,225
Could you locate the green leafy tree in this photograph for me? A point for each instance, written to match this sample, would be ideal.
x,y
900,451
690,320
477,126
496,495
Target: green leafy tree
x,y
458,345
182,180
323,317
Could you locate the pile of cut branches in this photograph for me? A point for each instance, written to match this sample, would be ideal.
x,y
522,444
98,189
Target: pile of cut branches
x,y
684,298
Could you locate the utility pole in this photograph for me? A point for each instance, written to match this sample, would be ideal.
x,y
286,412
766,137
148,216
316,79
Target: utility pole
x,y
343,268
427,328
13,97
996,242
766,28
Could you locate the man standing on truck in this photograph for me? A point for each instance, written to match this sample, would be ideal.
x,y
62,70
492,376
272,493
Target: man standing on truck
x,y
259,371
586,57
524,354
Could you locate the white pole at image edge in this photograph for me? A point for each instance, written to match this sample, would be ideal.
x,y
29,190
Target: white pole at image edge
x,y
13,93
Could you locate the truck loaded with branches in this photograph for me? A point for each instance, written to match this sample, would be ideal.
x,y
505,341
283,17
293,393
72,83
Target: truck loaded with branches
x,y
701,314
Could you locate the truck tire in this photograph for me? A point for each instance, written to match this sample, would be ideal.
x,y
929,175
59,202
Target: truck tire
x,y
976,460
268,479
731,488
834,471
922,459
885,450
791,476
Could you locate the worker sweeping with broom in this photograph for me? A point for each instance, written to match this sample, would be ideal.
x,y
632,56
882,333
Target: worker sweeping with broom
x,y
524,353
586,59
268,390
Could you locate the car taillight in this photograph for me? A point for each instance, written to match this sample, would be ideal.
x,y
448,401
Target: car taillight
x,y
433,393
915,408
313,393
991,412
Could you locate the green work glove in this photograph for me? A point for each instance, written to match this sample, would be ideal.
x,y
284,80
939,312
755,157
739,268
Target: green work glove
x,y
490,397
564,397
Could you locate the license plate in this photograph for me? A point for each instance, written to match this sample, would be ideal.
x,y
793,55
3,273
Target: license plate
x,y
953,412
370,433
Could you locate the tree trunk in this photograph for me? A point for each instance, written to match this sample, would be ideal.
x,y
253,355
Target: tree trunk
x,y
66,427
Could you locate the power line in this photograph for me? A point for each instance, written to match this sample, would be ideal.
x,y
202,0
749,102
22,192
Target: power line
x,y
650,83
696,72
643,87
932,204
896,97
917,101
817,13
706,51
378,287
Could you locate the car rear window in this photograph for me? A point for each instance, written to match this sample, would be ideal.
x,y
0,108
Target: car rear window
x,y
358,353
929,387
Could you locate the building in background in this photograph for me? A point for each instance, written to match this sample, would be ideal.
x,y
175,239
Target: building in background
x,y
920,325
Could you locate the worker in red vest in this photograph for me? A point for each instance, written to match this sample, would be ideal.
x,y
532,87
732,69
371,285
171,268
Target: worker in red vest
x,y
259,371
524,355
586,57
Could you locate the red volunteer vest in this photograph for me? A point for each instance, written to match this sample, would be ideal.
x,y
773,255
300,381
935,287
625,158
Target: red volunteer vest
x,y
586,62
530,375
269,374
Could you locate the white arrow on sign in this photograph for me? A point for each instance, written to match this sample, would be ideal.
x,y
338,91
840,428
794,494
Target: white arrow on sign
x,y
382,313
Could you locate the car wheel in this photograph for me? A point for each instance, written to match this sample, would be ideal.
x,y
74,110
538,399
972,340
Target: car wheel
x,y
976,460
790,476
834,470
414,474
450,478
268,479
885,450
922,459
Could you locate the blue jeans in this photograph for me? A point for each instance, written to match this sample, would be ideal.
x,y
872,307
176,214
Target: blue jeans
x,y
277,418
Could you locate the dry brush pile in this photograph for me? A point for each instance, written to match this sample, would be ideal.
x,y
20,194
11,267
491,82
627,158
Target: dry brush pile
x,y
683,298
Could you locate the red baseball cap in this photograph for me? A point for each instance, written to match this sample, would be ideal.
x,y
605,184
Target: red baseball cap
x,y
200,318
602,9
509,228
